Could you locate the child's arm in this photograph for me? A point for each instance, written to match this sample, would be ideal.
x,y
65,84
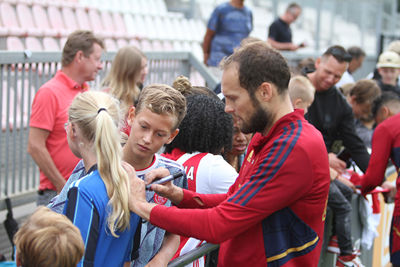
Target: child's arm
x,y
167,251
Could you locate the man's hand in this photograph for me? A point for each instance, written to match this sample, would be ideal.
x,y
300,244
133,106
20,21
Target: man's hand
x,y
336,163
168,190
137,194
347,182
389,196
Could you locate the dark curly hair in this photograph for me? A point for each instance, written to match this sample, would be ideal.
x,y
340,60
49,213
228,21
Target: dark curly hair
x,y
205,128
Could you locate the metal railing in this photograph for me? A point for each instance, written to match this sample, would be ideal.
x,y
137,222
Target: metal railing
x,y
21,75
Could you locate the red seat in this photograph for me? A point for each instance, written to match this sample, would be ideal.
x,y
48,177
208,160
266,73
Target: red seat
x,y
26,21
42,21
109,25
83,21
14,44
97,24
33,44
110,44
9,20
69,18
56,20
50,44
122,43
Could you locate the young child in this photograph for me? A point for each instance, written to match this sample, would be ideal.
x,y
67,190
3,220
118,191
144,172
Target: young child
x,y
154,122
301,92
97,203
388,67
48,239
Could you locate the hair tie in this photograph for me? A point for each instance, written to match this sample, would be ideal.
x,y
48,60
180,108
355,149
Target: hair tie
x,y
101,109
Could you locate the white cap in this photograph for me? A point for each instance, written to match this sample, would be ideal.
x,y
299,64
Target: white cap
x,y
388,59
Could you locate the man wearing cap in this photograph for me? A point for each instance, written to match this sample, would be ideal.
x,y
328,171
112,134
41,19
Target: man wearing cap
x,y
389,69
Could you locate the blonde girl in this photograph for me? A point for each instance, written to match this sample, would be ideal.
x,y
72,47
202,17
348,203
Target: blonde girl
x,y
97,203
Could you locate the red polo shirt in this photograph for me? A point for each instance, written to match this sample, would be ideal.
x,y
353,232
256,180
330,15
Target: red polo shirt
x,y
50,112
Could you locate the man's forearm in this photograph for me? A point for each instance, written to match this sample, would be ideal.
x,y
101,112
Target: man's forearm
x,y
46,164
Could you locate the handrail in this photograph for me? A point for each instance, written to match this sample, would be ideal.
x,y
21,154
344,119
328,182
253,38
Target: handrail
x,y
193,255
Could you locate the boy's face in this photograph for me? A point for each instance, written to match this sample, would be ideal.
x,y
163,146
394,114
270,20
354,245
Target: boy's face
x,y
389,75
149,132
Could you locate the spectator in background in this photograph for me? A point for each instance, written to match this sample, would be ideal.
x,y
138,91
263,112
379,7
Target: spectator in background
x,y
357,58
124,75
301,92
229,23
361,96
47,141
280,34
389,69
48,239
331,114
240,141
144,71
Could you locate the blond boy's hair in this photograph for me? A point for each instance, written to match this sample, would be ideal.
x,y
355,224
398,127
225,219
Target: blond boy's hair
x,y
301,88
48,239
162,99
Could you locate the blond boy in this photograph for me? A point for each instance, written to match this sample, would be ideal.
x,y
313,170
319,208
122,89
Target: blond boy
x,y
301,92
48,239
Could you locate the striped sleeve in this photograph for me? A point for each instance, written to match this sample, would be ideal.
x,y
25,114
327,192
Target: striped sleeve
x,y
269,189
81,210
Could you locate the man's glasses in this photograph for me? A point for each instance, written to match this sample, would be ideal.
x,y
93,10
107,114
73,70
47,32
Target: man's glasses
x,y
339,54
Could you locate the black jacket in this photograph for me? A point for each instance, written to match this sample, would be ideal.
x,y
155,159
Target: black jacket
x,y
333,117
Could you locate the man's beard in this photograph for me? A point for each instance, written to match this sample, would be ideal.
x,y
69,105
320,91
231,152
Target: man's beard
x,y
259,120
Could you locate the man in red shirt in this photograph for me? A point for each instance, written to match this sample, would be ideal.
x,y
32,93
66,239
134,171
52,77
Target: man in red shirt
x,y
273,215
47,141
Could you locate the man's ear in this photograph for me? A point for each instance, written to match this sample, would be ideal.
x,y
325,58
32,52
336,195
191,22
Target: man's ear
x,y
265,92
131,115
172,136
317,62
79,56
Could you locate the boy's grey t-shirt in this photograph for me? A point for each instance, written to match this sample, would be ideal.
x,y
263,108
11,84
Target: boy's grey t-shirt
x,y
152,236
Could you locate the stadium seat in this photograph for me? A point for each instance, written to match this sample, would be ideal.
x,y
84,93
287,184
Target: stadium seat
x,y
157,45
69,18
168,46
50,44
121,27
132,28
121,43
97,24
33,44
83,21
146,45
9,20
110,26
56,20
135,43
110,44
26,21
42,21
14,43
